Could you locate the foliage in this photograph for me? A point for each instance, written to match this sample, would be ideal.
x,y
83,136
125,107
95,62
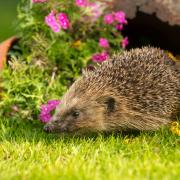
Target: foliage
x,y
68,49
46,61
25,87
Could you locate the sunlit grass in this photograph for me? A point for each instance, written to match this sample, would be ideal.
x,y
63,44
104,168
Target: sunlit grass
x,y
26,152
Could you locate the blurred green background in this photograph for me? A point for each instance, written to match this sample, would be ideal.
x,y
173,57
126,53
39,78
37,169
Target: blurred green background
x,y
8,18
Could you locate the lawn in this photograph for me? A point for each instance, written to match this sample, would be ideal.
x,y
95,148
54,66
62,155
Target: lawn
x,y
26,152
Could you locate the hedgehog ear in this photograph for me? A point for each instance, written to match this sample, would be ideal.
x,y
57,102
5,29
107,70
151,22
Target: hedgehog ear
x,y
110,103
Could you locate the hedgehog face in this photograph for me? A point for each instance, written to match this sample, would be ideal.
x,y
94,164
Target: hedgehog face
x,y
80,115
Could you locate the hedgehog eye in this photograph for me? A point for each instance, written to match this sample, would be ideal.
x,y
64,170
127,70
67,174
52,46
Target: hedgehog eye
x,y
75,114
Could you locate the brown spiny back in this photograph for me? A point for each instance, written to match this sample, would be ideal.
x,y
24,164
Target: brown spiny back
x,y
146,77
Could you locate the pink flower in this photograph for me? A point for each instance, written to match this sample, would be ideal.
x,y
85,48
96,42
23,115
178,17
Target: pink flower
x,y
119,27
108,19
120,17
46,109
103,43
125,42
55,27
81,3
63,21
100,57
38,1
53,103
50,20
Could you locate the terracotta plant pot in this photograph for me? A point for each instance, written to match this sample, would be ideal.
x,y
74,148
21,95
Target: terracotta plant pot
x,y
4,48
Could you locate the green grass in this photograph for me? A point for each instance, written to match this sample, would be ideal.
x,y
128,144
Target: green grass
x,y
26,152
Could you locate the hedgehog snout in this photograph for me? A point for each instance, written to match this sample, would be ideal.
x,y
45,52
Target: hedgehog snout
x,y
55,126
47,128
50,129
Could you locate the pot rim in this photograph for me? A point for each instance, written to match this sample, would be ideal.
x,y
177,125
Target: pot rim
x,y
4,48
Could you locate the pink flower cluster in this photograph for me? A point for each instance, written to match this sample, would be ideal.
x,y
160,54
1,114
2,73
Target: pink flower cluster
x,y
119,27
119,17
50,20
46,109
82,3
100,57
56,24
38,1
108,18
103,43
63,21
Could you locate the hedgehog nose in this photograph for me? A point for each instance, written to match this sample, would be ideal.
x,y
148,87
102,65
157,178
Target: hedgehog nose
x,y
47,129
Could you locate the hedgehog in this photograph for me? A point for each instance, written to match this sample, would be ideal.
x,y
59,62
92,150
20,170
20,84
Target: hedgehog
x,y
136,90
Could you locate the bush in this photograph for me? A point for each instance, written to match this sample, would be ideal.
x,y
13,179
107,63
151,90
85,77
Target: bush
x,y
57,39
